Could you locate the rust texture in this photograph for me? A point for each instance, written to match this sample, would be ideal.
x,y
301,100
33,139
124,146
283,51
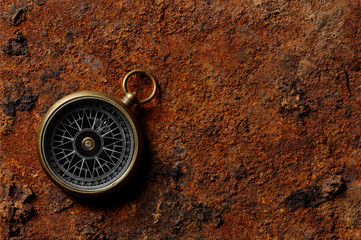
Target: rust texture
x,y
254,134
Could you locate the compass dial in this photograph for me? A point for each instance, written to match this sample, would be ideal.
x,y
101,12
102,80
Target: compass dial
x,y
88,144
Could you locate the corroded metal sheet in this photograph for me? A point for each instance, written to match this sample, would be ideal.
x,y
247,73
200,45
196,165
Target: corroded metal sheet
x,y
254,133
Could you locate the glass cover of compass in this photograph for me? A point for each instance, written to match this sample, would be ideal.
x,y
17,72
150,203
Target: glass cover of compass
x,y
89,143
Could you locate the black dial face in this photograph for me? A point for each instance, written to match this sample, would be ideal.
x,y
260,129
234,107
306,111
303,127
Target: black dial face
x,y
88,144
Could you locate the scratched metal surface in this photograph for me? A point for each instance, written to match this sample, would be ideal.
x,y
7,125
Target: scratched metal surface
x,y
254,134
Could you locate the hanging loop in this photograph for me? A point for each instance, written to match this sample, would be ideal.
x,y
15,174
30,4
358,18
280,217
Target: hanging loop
x,y
125,89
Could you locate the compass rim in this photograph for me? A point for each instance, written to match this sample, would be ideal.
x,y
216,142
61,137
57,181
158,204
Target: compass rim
x,y
91,95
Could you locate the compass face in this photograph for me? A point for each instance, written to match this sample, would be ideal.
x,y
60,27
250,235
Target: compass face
x,y
88,144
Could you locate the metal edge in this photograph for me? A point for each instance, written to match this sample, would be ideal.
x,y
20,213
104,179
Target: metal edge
x,y
137,137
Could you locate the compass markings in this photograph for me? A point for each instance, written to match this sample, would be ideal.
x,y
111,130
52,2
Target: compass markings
x,y
111,123
76,167
108,161
95,119
107,156
114,152
81,167
106,120
66,155
76,122
67,120
87,122
71,129
71,139
61,131
110,141
115,135
66,146
99,164
111,150
58,141
68,162
81,119
68,131
91,165
74,161
108,132
101,117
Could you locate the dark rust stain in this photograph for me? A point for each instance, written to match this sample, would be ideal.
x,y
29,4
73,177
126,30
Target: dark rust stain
x,y
315,195
16,13
17,46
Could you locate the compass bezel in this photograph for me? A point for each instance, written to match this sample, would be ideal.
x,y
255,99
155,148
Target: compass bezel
x,y
81,96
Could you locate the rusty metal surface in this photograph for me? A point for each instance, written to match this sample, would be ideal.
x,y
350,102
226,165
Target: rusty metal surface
x,y
254,134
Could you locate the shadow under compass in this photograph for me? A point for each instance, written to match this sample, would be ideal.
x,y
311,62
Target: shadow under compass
x,y
128,191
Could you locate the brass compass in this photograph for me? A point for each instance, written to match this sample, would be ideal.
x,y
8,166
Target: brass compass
x,y
89,142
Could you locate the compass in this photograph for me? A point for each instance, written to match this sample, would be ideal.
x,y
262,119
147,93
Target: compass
x,y
89,143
